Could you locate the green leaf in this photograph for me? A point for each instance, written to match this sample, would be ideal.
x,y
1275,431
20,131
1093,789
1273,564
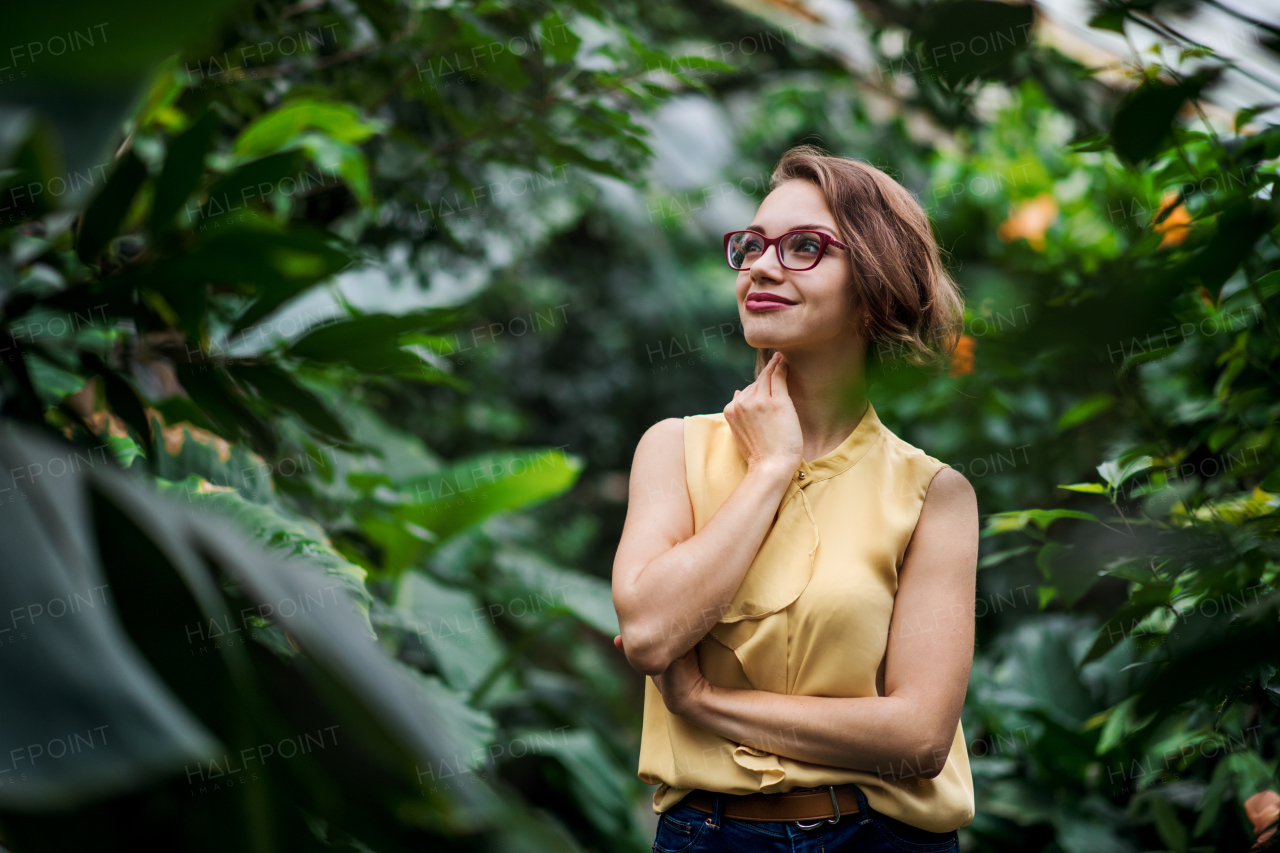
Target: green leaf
x,y
383,355
1168,827
1071,579
1005,522
595,779
1084,410
212,390
1115,727
270,266
296,540
255,180
1143,123
1090,488
343,340
80,674
184,448
467,730
1239,227
1117,471
588,598
105,213
280,389
483,49
558,40
183,168
477,488
336,157
1099,142
1000,556
124,449
456,628
53,383
1252,774
1111,19
1211,800
1121,625
121,396
1243,117
273,130
1218,653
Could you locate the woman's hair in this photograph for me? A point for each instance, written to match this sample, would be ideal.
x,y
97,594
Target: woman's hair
x,y
912,305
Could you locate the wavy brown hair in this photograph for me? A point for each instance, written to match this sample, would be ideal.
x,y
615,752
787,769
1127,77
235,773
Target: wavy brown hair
x,y
913,308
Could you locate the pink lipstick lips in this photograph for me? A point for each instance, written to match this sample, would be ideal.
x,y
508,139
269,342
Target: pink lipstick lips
x,y
760,301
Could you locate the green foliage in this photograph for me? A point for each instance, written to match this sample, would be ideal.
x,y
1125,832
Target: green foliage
x,y
144,314
283,295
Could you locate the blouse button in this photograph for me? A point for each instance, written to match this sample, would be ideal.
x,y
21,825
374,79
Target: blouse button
x,y
801,475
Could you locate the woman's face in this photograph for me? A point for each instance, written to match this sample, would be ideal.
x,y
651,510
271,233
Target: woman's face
x,y
818,308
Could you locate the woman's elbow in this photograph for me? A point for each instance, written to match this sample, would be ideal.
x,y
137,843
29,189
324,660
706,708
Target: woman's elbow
x,y
648,659
644,651
933,757
651,663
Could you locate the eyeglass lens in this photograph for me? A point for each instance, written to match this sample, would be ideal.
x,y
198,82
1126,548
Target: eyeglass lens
x,y
798,250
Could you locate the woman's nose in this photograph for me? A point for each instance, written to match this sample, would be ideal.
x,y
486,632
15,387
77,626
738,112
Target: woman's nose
x,y
769,264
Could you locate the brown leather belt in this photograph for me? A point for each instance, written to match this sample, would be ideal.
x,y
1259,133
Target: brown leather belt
x,y
791,806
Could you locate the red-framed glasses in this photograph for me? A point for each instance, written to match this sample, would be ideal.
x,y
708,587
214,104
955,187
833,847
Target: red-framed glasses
x,y
797,250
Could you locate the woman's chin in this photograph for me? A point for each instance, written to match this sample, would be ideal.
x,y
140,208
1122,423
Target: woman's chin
x,y
765,343
761,331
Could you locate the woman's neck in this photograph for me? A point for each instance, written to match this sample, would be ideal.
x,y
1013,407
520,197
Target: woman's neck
x,y
829,391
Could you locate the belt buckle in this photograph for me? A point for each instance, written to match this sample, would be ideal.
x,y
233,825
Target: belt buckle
x,y
835,807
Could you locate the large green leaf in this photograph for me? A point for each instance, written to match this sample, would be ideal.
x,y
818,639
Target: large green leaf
x,y
474,489
299,540
93,718
183,168
1143,122
548,587
273,130
456,628
103,217
277,386
595,779
397,724
372,343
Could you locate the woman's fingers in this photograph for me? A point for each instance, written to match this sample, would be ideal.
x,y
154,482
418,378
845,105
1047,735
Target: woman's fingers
x,y
778,384
762,381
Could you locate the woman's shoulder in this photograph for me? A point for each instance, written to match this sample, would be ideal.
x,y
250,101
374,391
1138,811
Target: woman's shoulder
x,y
926,477
705,426
676,434
906,453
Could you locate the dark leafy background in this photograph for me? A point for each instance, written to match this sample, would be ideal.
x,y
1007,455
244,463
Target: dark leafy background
x,y
358,309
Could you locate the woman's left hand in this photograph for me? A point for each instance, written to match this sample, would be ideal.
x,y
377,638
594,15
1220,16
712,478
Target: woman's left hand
x,y
682,685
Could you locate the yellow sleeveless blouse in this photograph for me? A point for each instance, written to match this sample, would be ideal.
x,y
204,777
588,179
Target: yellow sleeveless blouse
x,y
811,618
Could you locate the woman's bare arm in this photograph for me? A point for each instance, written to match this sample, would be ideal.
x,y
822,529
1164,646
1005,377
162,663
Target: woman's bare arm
x,y
670,585
930,651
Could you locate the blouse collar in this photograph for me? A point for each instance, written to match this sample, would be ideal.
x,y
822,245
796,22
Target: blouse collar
x,y
846,455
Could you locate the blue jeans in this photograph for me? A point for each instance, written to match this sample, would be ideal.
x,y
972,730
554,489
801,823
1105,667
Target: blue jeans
x,y
684,829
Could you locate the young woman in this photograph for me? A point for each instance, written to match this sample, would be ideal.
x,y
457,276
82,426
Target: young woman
x,y
795,580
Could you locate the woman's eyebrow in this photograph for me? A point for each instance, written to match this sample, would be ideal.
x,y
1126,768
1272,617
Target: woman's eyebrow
x,y
812,227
